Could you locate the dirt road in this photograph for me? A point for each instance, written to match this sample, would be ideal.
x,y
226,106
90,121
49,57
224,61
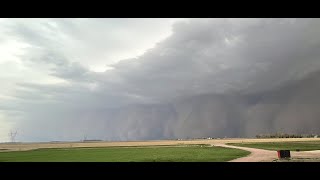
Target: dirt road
x,y
257,155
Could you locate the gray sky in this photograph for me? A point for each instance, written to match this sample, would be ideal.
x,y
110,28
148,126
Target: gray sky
x,y
126,79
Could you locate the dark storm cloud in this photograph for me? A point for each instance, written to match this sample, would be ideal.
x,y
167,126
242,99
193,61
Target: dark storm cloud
x,y
211,77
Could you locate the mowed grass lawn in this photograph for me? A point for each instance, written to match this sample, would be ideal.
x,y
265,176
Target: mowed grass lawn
x,y
292,146
126,154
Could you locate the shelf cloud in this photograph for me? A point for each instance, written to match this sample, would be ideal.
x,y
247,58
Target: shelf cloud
x,y
160,78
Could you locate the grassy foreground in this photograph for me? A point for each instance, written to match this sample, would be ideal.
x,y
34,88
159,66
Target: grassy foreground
x,y
126,154
292,146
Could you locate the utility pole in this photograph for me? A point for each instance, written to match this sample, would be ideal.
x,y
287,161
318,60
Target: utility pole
x,y
13,135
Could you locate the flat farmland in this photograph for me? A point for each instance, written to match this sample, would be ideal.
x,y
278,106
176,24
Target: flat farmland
x,y
193,153
30,146
198,150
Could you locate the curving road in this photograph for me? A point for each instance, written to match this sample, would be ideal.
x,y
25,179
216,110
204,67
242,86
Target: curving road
x,y
257,155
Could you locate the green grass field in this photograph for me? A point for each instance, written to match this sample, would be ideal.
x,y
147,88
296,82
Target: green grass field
x,y
292,146
126,154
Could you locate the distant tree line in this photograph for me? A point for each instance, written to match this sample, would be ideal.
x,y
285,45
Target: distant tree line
x,y
88,140
285,135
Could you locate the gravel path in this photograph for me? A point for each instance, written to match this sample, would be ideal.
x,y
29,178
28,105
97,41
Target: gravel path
x,y
257,155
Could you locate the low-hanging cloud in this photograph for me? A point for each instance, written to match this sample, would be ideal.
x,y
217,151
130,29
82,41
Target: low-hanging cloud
x,y
210,77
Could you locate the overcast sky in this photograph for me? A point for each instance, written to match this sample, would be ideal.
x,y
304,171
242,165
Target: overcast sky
x,y
53,70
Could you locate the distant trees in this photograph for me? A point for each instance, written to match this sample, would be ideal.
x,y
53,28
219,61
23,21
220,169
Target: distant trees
x,y
285,135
